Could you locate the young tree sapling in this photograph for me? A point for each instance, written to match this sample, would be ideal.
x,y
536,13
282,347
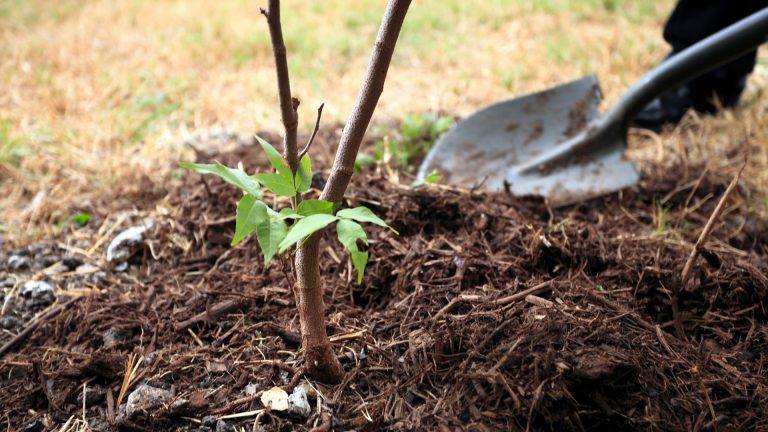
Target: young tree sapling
x,y
293,177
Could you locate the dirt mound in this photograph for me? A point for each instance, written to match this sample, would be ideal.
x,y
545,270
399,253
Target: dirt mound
x,y
488,312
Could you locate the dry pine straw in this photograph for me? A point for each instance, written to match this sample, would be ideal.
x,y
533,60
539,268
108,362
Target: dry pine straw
x,y
442,334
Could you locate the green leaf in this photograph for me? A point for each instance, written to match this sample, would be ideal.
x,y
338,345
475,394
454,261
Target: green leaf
x,y
305,227
433,177
256,215
349,232
249,213
439,126
81,218
271,232
278,184
304,174
363,214
310,207
359,260
274,158
234,176
288,213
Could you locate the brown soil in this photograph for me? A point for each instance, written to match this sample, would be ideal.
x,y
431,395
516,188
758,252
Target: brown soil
x,y
487,313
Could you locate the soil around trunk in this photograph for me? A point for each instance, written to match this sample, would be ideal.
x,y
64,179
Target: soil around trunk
x,y
487,312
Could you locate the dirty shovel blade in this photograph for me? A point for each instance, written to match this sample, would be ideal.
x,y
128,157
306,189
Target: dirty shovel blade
x,y
490,149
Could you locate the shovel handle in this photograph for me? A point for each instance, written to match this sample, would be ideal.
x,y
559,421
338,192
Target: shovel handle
x,y
726,45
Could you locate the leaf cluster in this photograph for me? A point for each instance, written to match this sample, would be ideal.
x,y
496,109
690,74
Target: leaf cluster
x,y
278,231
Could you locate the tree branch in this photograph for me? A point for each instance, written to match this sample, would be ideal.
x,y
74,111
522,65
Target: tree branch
x,y
373,85
713,218
288,104
319,359
314,132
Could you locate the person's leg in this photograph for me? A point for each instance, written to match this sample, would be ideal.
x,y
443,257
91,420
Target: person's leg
x,y
690,22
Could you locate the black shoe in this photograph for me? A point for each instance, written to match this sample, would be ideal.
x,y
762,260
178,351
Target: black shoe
x,y
670,107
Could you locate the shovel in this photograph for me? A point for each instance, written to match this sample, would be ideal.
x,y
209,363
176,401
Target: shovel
x,y
555,144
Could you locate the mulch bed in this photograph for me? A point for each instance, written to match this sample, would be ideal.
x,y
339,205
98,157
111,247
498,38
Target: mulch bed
x,y
487,312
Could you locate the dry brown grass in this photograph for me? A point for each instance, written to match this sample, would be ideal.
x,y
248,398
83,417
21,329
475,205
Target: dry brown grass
x,y
98,95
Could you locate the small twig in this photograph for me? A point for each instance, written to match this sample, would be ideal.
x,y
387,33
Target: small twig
x,y
211,314
347,336
236,403
285,334
314,132
110,406
325,424
85,392
506,356
523,294
298,373
288,277
196,339
256,413
663,342
686,274
688,267
208,192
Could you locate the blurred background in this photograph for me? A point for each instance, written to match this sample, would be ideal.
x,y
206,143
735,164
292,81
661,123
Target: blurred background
x,y
96,94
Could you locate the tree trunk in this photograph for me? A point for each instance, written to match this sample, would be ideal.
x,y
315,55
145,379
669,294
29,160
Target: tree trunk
x,y
320,361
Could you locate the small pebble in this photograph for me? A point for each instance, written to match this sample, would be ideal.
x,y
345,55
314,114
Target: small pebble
x,y
37,293
94,394
222,426
72,262
49,260
145,399
126,244
112,337
181,407
298,405
9,322
18,262
250,389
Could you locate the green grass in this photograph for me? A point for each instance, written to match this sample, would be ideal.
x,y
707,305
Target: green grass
x,y
26,13
12,148
323,38
414,136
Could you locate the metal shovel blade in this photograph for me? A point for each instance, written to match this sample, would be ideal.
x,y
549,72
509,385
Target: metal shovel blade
x,y
554,143
493,148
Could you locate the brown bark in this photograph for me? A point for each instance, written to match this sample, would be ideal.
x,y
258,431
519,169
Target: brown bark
x,y
318,355
367,98
288,104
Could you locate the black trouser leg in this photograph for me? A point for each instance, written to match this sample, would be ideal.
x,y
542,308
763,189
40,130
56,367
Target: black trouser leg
x,y
694,20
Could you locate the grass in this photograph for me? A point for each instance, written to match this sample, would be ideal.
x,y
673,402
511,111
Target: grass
x,y
94,94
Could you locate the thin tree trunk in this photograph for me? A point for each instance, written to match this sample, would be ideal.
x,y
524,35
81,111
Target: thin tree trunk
x,y
288,104
320,362
367,98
